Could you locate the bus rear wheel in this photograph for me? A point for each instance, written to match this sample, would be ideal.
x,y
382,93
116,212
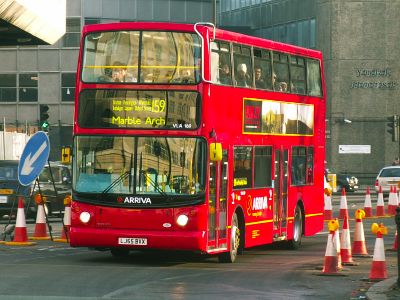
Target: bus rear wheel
x,y
295,243
235,242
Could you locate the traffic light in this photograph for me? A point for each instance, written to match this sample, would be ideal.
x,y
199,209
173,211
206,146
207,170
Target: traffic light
x,y
44,116
393,127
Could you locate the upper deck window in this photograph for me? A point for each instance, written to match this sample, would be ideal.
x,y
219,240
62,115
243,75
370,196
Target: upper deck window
x,y
142,57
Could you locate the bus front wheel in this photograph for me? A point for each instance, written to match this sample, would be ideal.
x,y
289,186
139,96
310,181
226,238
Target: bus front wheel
x,y
235,241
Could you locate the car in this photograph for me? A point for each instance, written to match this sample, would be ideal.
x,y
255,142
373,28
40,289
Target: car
x,y
387,178
61,175
11,189
346,181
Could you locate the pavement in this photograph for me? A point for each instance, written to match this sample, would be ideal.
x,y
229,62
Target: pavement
x,y
384,290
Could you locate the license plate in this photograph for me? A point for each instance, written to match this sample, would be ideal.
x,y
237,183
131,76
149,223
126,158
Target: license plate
x,y
132,241
6,191
3,199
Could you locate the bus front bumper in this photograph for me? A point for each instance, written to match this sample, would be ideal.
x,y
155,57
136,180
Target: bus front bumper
x,y
137,239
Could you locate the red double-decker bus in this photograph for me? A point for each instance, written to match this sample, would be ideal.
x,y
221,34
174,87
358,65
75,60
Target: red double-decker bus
x,y
193,138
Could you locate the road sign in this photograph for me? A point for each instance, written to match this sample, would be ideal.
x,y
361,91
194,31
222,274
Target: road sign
x,y
33,158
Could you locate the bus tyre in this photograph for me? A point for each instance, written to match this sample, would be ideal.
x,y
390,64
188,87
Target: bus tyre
x,y
119,252
295,243
235,242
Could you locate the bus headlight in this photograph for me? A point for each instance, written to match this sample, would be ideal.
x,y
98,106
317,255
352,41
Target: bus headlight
x,y
84,217
182,220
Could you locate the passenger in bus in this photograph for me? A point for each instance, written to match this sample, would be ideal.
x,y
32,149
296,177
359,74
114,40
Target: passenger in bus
x,y
278,86
260,83
120,73
225,75
242,78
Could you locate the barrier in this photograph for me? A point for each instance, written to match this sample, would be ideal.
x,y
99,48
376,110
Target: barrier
x,y
40,232
368,204
343,205
359,245
66,221
378,267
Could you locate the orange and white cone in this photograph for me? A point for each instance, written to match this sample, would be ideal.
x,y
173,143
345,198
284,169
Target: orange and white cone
x,y
67,221
345,245
378,267
328,207
20,233
380,205
393,201
359,245
343,205
368,204
40,232
331,255
337,245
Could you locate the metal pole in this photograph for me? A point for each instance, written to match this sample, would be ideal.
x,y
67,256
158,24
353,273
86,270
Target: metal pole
x,y
214,8
397,219
4,138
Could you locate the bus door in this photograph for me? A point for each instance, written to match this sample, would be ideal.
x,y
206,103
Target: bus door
x,y
217,203
280,193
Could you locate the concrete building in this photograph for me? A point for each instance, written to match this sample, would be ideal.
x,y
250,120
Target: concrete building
x,y
33,74
359,41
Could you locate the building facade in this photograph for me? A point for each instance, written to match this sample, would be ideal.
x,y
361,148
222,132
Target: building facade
x,y
359,43
31,76
358,40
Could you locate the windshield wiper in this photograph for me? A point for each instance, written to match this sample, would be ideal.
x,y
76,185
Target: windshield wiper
x,y
115,182
157,187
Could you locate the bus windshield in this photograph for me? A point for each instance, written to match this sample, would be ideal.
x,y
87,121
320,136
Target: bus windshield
x,y
139,165
142,57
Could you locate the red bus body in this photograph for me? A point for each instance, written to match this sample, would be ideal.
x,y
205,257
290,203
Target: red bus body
x,y
264,214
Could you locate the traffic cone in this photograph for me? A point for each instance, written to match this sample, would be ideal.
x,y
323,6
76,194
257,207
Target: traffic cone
x,y
380,205
378,267
20,233
67,221
393,201
359,245
40,232
343,205
331,255
337,245
368,204
328,207
345,245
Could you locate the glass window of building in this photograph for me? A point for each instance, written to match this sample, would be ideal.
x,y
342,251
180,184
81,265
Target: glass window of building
x,y
72,35
8,87
28,87
68,86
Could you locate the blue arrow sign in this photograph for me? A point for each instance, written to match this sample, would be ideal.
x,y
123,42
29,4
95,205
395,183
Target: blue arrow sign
x,y
33,158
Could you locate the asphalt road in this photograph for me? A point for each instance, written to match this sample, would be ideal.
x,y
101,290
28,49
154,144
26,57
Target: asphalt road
x,y
50,270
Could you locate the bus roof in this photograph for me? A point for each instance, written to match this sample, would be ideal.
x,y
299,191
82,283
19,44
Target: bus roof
x,y
220,34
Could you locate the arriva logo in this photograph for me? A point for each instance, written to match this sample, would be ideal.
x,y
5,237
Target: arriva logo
x,y
137,200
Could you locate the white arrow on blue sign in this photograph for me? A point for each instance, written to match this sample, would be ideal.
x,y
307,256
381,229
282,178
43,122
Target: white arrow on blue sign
x,y
33,158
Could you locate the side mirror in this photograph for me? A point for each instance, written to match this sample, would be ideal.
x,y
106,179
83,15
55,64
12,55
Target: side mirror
x,y
215,151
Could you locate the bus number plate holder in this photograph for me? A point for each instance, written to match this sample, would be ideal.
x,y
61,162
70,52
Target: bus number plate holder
x,y
132,241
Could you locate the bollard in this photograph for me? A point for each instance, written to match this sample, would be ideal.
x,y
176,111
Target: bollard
x,y
397,219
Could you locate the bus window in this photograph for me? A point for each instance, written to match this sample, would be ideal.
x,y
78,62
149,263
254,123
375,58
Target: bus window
x,y
242,175
221,63
263,167
310,165
299,162
243,69
107,51
281,72
313,78
298,75
262,69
